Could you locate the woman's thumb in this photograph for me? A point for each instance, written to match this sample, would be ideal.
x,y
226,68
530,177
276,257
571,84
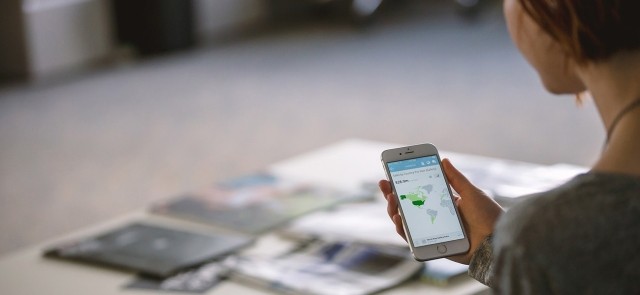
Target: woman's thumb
x,y
457,180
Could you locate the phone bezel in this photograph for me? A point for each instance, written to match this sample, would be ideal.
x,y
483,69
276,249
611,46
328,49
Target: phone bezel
x,y
428,252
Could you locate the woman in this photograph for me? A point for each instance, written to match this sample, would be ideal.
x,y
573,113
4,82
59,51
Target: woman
x,y
584,236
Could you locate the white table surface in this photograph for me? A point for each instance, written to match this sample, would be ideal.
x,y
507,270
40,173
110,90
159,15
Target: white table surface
x,y
345,164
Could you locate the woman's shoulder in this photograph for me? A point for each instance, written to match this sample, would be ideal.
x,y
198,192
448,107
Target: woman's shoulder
x,y
588,198
588,187
562,233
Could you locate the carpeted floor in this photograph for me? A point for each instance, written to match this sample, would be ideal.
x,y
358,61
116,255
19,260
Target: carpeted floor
x,y
83,149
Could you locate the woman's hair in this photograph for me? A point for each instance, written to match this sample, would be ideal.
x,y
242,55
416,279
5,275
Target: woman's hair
x,y
589,30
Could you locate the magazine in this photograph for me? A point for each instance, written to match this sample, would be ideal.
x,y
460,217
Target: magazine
x,y
149,249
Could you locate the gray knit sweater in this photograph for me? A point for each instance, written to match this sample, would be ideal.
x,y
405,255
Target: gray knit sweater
x,y
580,238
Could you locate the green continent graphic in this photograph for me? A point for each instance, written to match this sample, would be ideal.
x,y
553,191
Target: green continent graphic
x,y
417,199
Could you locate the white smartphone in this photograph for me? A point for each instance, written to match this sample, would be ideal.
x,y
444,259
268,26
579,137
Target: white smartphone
x,y
430,218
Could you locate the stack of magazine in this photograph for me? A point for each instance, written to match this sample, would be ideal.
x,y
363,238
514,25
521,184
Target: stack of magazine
x,y
253,204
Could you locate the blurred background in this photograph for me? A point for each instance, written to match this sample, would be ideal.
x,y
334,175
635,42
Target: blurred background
x,y
107,106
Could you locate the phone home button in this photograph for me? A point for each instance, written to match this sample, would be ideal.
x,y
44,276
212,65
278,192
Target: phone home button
x,y
442,249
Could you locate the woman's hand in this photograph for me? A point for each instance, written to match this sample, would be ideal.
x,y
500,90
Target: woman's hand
x,y
479,211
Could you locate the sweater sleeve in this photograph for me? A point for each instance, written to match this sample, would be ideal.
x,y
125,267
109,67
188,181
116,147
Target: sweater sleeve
x,y
481,261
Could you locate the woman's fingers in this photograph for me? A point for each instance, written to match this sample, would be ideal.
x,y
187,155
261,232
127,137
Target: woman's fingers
x,y
392,206
385,187
397,220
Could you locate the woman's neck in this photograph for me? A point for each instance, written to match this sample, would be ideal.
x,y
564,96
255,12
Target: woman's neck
x,y
614,85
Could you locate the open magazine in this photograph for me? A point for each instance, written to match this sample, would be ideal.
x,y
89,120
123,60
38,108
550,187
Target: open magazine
x,y
510,182
336,268
373,227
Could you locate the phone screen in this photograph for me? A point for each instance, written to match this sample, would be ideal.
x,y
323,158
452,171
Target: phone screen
x,y
426,203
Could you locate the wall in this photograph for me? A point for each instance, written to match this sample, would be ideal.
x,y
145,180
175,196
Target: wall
x,y
66,34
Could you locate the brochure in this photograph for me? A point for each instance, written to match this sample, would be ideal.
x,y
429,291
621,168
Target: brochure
x,y
197,281
331,268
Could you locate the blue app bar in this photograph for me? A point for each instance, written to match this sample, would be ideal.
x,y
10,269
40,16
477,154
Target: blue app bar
x,y
412,163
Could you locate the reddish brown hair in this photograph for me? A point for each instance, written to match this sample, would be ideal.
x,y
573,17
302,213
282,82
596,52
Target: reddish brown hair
x,y
589,30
